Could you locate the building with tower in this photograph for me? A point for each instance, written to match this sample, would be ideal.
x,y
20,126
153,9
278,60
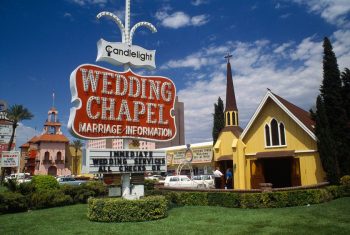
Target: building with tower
x,y
46,153
277,146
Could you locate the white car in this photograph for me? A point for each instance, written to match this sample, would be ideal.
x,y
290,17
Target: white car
x,y
207,179
182,181
20,177
154,177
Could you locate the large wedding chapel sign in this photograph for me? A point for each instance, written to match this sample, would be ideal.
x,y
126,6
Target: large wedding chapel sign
x,y
121,104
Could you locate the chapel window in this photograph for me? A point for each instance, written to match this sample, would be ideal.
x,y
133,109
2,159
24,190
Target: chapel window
x,y
267,135
275,134
282,134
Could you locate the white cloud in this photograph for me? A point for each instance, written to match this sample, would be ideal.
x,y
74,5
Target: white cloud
x,y
101,3
199,20
199,2
180,19
285,16
24,133
195,61
307,49
68,15
293,71
333,11
282,48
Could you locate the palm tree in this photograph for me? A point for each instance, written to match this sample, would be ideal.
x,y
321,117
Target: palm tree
x,y
15,113
77,145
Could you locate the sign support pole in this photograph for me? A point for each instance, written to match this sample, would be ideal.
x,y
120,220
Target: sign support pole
x,y
126,192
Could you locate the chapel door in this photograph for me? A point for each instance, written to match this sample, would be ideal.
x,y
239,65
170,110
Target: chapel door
x,y
295,171
257,174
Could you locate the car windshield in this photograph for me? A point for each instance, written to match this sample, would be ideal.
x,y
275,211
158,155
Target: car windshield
x,y
206,177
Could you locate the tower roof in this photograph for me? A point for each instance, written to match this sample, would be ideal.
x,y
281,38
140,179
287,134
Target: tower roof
x,y
230,91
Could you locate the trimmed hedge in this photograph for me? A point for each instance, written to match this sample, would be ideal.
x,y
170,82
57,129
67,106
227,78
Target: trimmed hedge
x,y
122,210
255,200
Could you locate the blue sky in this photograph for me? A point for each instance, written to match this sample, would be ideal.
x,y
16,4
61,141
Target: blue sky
x,y
275,44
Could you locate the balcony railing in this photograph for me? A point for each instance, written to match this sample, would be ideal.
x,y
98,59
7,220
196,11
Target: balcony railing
x,y
59,161
47,161
28,164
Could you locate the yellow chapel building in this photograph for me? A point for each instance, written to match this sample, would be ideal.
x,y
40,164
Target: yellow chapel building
x,y
278,145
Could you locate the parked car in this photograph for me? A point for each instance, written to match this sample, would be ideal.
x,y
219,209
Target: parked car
x,y
70,180
207,179
20,177
154,177
182,181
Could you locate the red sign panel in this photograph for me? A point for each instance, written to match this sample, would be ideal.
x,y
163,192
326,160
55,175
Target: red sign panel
x,y
3,147
110,104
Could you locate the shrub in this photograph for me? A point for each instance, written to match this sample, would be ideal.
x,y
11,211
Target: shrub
x,y
149,184
345,180
26,188
122,210
49,198
251,200
192,198
11,185
345,185
12,202
44,182
224,199
97,187
81,193
335,191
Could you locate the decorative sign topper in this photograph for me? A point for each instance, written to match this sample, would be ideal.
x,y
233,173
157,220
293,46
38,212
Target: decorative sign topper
x,y
118,53
110,104
125,53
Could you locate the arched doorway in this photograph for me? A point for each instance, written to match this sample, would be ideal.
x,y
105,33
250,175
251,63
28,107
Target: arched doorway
x,y
52,171
224,165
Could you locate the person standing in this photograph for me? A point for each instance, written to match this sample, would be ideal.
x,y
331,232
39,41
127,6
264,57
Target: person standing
x,y
217,177
229,178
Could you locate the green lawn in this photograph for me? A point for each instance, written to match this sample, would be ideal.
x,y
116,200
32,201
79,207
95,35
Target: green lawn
x,y
328,218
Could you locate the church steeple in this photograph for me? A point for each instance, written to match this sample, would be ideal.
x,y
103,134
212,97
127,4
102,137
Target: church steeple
x,y
231,111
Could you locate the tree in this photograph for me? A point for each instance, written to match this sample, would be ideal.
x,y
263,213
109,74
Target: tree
x,y
325,143
218,119
77,145
331,128
15,113
345,78
331,89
